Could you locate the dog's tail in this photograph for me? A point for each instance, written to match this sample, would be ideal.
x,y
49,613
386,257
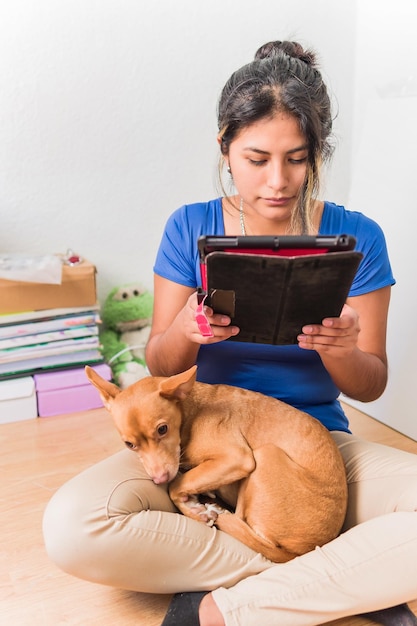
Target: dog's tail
x,y
237,528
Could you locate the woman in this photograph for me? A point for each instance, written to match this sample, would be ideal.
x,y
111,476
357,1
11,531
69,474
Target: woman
x,y
274,122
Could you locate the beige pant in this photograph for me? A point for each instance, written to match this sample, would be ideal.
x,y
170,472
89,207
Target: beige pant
x,y
113,525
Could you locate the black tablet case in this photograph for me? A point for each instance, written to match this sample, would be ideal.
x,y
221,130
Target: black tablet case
x,y
271,298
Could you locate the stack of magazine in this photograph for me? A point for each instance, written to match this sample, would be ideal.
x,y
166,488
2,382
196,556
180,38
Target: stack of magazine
x,y
39,341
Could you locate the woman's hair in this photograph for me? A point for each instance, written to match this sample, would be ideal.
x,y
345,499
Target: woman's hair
x,y
283,78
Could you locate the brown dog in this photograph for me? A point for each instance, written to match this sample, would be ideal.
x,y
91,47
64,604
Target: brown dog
x,y
278,466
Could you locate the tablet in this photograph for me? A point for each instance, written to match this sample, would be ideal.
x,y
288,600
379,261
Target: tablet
x,y
274,244
272,286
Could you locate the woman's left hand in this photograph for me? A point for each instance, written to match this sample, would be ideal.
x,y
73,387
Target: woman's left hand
x,y
336,336
352,346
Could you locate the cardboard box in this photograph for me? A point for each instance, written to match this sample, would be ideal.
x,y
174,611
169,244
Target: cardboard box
x,y
17,400
68,391
78,288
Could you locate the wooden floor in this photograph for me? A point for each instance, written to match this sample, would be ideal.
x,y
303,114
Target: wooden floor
x,y
37,456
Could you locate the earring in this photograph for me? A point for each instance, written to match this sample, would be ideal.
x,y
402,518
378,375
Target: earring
x,y
229,170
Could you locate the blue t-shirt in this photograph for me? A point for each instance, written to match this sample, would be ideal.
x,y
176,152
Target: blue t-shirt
x,y
289,373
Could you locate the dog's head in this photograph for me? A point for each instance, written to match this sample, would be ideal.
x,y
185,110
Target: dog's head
x,y
148,417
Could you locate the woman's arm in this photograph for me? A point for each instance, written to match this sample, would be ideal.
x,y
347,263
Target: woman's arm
x,y
353,346
175,339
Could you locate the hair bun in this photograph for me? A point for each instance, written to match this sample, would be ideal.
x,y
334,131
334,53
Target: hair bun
x,y
291,48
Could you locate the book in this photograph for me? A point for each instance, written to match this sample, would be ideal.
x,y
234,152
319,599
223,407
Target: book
x,y
49,339
23,339
270,298
61,323
45,314
66,346
29,367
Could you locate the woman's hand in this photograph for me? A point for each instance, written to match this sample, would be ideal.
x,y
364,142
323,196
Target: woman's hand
x,y
175,337
203,326
352,346
336,336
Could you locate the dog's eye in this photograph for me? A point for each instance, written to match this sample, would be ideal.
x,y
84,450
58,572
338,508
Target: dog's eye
x,y
130,445
162,430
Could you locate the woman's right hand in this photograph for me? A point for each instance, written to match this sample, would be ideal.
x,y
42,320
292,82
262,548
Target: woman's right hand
x,y
175,337
203,326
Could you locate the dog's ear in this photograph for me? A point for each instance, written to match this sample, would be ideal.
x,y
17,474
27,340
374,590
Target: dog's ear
x,y
179,386
108,391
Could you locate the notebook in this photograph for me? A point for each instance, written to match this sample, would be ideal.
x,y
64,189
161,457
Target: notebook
x,y
272,286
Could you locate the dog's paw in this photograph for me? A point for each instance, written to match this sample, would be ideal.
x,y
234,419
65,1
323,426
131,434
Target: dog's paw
x,y
206,511
192,507
213,511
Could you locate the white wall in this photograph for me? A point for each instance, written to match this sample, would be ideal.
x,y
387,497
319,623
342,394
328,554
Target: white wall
x,y
383,182
107,124
107,114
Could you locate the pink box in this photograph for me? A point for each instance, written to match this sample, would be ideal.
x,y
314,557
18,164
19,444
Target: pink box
x,y
68,391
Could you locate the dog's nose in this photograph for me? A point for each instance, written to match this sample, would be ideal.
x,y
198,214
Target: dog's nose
x,y
160,479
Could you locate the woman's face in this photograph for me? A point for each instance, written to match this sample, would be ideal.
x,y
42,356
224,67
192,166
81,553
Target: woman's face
x,y
268,161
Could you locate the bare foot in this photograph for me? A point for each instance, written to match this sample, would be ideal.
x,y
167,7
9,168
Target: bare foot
x,y
209,613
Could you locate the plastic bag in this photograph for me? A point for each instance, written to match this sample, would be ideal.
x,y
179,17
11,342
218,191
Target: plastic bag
x,y
32,269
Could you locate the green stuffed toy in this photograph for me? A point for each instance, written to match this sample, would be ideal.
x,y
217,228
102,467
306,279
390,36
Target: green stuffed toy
x,y
126,315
